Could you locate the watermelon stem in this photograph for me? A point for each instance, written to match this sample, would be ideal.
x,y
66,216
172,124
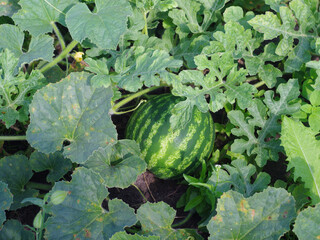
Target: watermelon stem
x,y
143,196
118,105
131,110
184,220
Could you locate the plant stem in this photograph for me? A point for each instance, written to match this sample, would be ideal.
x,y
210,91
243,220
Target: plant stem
x,y
62,55
59,36
118,105
131,110
40,186
252,78
13,138
259,84
143,196
184,220
145,29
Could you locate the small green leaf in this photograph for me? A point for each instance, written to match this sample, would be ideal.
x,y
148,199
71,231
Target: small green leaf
x,y
103,27
58,197
13,229
233,13
119,165
265,215
57,165
6,200
81,215
74,111
9,167
307,223
38,220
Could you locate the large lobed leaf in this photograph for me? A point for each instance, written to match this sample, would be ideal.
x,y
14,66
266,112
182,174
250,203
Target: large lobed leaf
x,y
16,90
264,116
81,215
6,199
37,16
284,25
303,153
156,220
223,83
13,229
265,215
40,47
307,224
238,176
9,167
57,165
9,7
102,27
139,66
71,110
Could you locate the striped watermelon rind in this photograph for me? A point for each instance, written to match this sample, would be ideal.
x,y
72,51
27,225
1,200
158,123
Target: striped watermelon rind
x,y
169,153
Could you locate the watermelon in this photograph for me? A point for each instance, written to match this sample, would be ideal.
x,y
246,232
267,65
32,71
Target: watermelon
x,y
170,153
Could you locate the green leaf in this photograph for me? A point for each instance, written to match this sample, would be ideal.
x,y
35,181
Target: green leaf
x,y
303,153
9,7
239,176
265,215
16,90
100,68
81,216
57,165
6,199
156,220
36,16
187,14
71,110
189,48
272,26
242,44
119,164
40,47
9,167
125,236
307,223
264,117
233,13
275,4
103,27
13,229
146,67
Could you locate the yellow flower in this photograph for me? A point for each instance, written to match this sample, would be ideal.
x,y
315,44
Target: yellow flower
x,y
78,56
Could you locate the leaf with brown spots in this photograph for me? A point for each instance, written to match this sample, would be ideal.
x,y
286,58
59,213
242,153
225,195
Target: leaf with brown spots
x,y
266,215
71,110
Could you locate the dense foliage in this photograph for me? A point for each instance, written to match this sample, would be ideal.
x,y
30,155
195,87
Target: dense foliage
x,y
69,70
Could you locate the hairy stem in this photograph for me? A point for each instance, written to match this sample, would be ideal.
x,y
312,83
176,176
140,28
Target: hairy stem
x,y
59,35
62,55
145,29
